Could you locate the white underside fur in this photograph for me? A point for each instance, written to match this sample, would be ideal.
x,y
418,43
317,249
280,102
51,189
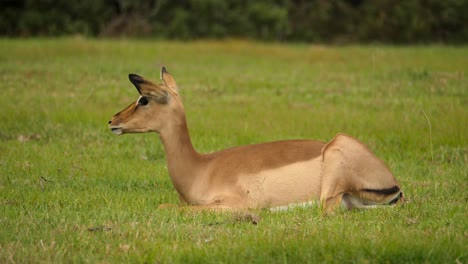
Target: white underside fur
x,y
348,202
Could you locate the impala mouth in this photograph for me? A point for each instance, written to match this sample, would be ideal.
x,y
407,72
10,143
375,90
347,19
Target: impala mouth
x,y
116,130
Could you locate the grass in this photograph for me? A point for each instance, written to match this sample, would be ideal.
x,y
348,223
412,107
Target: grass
x,y
70,191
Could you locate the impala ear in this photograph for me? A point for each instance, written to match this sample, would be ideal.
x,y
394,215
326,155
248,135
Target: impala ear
x,y
168,79
149,89
137,80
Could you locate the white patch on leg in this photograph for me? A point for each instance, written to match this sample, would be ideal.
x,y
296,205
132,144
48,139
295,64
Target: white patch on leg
x,y
350,202
292,206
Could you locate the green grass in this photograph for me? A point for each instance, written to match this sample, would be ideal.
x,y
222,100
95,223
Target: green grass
x,y
70,191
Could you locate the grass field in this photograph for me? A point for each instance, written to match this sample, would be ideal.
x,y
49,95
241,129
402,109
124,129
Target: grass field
x,y
70,191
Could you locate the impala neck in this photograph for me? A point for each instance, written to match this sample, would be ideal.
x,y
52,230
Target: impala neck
x,y
182,158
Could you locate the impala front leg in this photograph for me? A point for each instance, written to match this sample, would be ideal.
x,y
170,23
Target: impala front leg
x,y
208,207
169,206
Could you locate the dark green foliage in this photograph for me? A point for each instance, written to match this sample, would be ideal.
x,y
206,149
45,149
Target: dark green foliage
x,y
50,17
335,21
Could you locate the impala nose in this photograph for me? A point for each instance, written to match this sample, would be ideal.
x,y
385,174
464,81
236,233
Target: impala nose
x,y
109,122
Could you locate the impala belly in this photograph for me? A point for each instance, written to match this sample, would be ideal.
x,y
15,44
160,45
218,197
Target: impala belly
x,y
293,183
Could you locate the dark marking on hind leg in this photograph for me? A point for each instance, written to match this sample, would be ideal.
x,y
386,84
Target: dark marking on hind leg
x,y
399,198
394,189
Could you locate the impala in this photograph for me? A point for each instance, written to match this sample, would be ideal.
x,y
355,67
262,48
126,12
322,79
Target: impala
x,y
341,172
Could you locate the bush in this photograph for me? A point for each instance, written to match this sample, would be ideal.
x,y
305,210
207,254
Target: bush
x,y
389,21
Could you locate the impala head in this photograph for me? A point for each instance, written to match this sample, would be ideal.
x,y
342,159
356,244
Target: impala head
x,y
157,106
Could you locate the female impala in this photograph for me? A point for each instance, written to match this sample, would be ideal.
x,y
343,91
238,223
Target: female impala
x,y
342,171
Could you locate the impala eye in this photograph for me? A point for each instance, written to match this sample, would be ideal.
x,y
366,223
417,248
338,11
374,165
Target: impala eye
x,y
143,101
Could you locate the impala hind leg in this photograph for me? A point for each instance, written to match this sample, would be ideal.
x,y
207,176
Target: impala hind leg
x,y
334,184
352,176
358,200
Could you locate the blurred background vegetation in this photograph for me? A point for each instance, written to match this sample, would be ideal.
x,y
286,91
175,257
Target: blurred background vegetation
x,y
325,21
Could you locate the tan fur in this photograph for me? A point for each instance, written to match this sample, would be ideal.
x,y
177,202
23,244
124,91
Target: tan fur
x,y
343,171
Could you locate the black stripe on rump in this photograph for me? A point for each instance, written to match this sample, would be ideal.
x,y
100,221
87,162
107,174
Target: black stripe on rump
x,y
388,191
